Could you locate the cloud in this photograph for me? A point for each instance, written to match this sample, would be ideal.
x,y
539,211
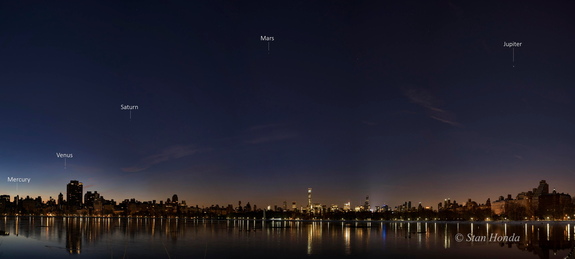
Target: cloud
x,y
432,106
268,133
169,153
272,137
265,126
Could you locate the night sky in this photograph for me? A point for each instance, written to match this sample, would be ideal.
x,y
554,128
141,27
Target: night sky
x,y
402,102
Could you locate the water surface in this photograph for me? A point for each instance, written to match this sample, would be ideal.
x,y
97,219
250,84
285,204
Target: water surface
x,y
57,237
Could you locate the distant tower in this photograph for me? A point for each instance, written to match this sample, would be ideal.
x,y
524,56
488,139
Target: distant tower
x,y
543,188
309,205
366,205
175,198
74,194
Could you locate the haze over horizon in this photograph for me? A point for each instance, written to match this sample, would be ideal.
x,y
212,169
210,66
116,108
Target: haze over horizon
x,y
399,101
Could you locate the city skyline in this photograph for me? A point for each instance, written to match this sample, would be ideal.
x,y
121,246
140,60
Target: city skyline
x,y
396,101
75,197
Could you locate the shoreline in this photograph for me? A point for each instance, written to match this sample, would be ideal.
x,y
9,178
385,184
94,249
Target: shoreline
x,y
304,220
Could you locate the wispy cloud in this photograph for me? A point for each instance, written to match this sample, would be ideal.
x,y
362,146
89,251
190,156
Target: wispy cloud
x,y
270,138
268,133
265,126
432,106
169,153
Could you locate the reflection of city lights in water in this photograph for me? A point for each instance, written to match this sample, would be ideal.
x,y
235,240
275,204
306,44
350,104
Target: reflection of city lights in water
x,y
418,226
547,231
435,230
17,226
347,238
384,231
487,228
419,235
526,236
104,232
447,239
568,228
310,232
568,232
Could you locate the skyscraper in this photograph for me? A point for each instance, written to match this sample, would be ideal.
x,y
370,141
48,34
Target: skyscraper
x,y
309,205
366,206
74,194
543,188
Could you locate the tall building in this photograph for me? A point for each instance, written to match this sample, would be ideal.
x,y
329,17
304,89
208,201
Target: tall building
x,y
366,206
543,188
74,194
309,205
90,198
175,198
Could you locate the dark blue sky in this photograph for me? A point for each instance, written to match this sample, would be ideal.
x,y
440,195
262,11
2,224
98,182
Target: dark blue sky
x,y
400,101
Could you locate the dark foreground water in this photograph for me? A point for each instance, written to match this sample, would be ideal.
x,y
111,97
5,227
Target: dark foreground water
x,y
56,237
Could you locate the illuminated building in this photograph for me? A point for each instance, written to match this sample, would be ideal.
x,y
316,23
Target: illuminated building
x,y
309,204
366,206
90,198
334,208
347,206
